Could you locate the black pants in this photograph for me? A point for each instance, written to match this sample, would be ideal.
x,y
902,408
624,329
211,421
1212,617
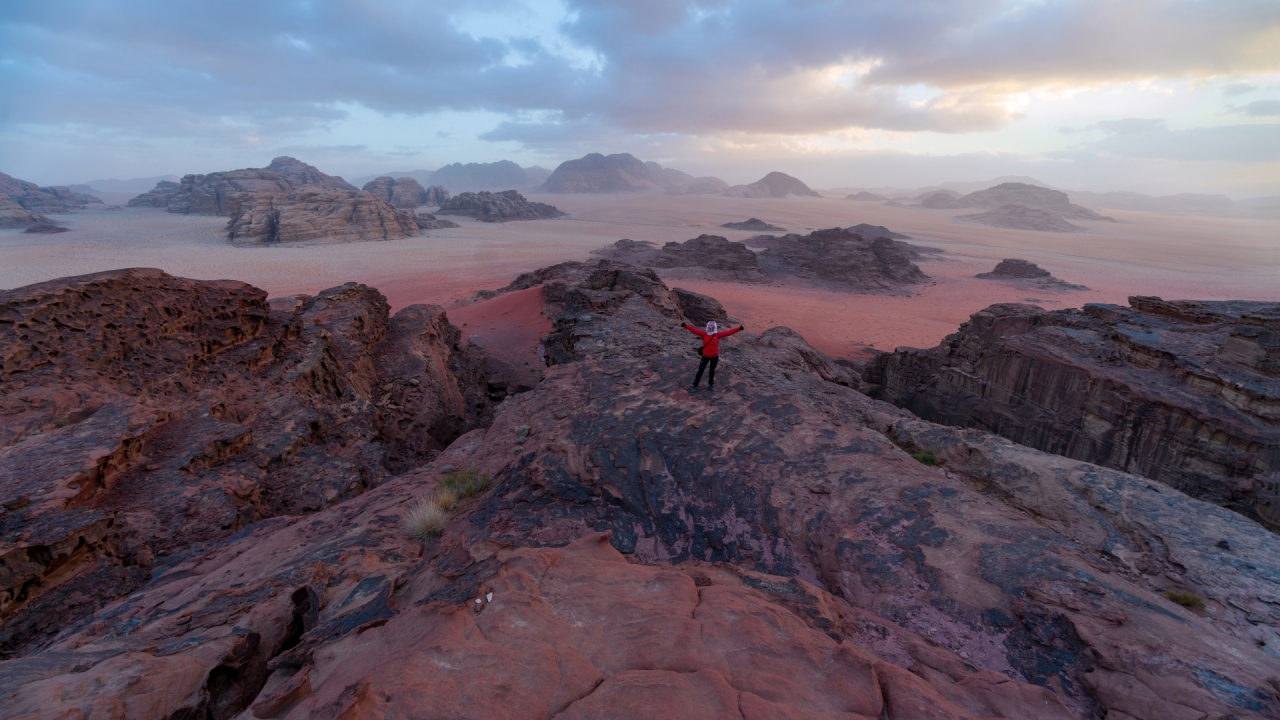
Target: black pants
x,y
711,379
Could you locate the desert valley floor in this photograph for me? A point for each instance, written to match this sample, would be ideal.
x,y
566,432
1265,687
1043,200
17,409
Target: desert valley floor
x,y
1141,254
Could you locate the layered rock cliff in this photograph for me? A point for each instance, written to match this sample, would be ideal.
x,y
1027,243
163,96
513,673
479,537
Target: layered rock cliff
x,y
842,258
1184,392
36,199
213,194
497,207
145,418
770,550
316,213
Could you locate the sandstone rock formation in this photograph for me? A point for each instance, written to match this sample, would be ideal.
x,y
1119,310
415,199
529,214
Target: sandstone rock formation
x,y
773,185
846,260
1015,270
1020,217
767,551
753,224
213,194
146,418
1187,393
876,231
404,192
1031,196
45,228
315,213
700,309
596,173
427,221
56,199
436,196
13,215
708,256
498,207
500,175
865,196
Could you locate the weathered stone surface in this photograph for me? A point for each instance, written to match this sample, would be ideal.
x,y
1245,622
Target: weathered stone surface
x,y
497,207
700,309
1055,202
1021,217
213,194
402,192
56,199
1187,393
710,256
754,224
1028,273
314,213
427,221
773,185
145,418
13,215
846,259
596,173
787,558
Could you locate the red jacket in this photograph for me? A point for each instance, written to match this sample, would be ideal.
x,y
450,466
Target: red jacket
x,y
710,342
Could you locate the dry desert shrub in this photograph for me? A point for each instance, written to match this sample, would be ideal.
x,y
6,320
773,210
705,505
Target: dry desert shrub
x,y
464,483
425,519
446,498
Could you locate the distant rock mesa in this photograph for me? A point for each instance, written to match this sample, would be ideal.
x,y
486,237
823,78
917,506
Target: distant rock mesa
x,y
773,185
498,207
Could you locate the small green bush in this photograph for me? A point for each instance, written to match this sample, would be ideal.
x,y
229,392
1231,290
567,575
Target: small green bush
x,y
925,457
463,483
1185,599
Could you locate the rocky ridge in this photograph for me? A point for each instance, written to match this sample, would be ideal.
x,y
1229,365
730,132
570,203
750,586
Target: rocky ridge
x,y
498,207
1183,392
315,213
36,199
1027,273
405,192
213,194
13,215
768,551
1020,217
596,173
709,256
754,225
845,259
773,185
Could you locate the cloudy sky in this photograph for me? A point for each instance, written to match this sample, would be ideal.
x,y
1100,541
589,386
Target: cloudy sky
x,y
1158,96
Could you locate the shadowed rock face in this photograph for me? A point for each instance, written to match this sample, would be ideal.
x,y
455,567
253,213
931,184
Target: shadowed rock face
x,y
436,196
497,207
1187,393
427,221
315,213
147,417
773,185
844,258
789,560
56,199
213,194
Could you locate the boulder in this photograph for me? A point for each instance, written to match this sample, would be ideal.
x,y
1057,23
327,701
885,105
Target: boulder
x,y
402,192
773,185
1186,393
147,418
700,309
847,260
753,224
596,173
497,207
427,221
314,213
1020,217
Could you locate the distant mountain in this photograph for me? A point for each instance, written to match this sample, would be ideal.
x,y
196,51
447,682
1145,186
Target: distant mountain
x,y
471,177
677,182
1031,196
136,185
964,188
773,185
537,174
596,173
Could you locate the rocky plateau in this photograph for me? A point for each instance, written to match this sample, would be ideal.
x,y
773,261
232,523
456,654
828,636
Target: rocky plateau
x,y
214,193
497,207
841,259
316,213
405,192
1028,274
770,550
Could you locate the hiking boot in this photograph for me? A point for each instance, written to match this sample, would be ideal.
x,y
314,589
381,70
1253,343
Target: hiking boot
x,y
693,389
711,388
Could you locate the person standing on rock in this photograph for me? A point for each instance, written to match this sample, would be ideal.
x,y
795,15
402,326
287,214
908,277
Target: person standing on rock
x,y
710,351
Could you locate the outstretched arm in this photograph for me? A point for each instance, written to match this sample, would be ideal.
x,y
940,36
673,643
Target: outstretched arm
x,y
738,329
695,330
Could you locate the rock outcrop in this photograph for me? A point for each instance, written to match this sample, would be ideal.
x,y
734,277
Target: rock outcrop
x,y
427,221
846,260
596,173
147,418
436,196
498,207
56,199
1020,217
316,213
1027,273
1031,196
773,185
402,192
865,196
45,228
13,215
771,550
753,224
500,175
213,194
868,230
1186,393
709,256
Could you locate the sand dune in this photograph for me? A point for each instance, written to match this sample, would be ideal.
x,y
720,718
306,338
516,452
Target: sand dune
x,y
1143,253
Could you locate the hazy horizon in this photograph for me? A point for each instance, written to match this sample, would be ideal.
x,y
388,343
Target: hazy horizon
x,y
1159,98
